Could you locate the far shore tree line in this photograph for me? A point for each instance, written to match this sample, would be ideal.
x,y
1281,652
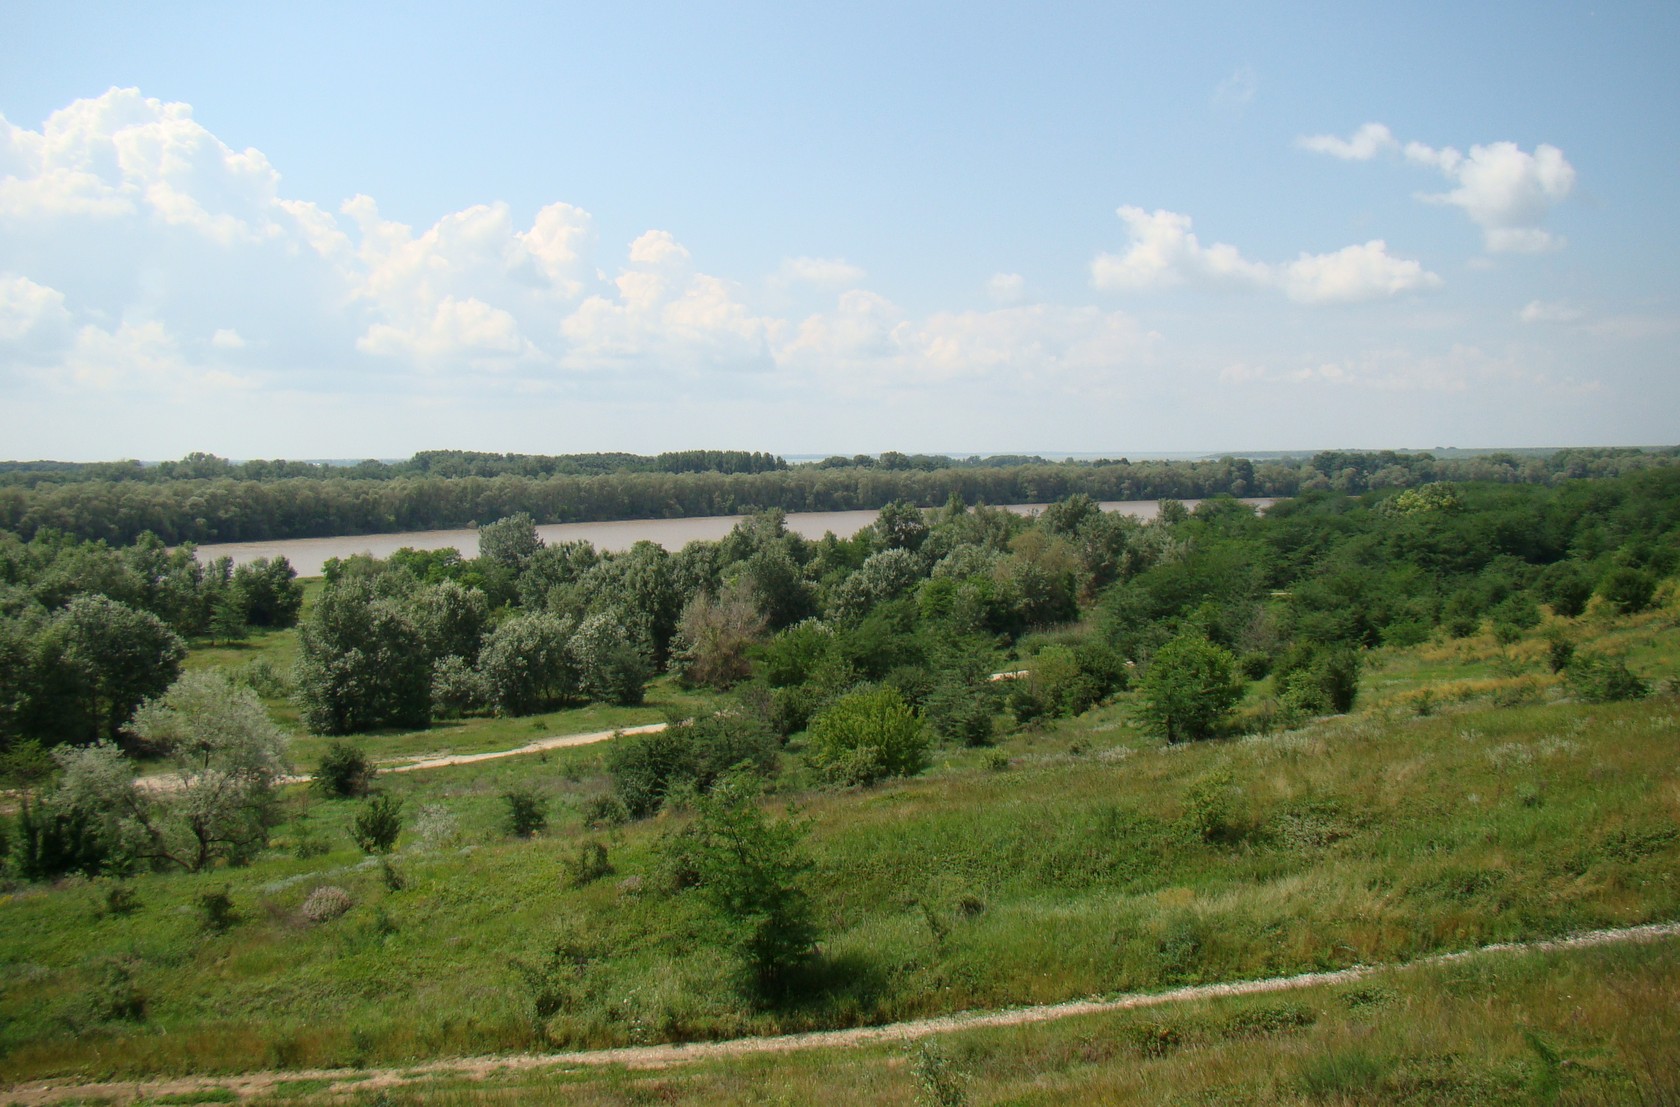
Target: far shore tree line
x,y
208,499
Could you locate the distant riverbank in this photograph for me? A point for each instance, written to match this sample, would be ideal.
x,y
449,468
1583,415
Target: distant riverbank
x,y
309,555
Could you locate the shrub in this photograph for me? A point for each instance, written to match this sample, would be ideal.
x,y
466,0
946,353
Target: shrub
x,y
1191,686
1627,590
867,735
120,899
1560,650
527,812
114,996
962,713
1317,681
325,903
1209,807
345,771
215,910
645,767
589,865
557,981
938,1083
391,876
265,680
54,840
748,868
605,810
377,824
1596,679
1566,588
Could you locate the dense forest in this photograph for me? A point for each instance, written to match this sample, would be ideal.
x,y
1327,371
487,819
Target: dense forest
x,y
208,499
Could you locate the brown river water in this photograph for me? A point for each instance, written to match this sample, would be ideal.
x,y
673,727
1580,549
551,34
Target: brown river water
x,y
308,555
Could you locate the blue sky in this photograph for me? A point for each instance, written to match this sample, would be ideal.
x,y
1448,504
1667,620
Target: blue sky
x,y
363,230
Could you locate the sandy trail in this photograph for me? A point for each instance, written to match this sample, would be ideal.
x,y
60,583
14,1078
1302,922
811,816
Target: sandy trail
x,y
553,742
344,1081
163,782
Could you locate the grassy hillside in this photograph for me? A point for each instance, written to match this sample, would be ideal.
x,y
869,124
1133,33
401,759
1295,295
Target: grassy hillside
x,y
1466,800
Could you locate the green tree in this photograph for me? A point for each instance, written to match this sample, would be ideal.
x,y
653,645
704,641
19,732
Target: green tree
x,y
901,525
609,667
451,619
526,665
225,757
227,619
361,663
96,661
510,541
867,735
749,869
270,592
1190,687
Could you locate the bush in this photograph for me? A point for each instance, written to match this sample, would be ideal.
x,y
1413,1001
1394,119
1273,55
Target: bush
x,y
1566,588
646,767
325,903
120,899
377,824
1595,679
527,812
1191,686
748,868
1560,650
53,841
589,865
867,735
1627,590
696,753
604,811
345,771
114,996
962,713
215,911
1317,681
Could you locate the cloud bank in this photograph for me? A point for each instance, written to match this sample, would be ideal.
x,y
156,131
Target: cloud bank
x,y
209,277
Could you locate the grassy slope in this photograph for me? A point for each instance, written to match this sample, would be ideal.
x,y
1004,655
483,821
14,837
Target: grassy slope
x,y
1576,1028
1080,869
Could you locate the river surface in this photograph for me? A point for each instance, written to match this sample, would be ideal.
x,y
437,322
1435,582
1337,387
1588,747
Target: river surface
x,y
309,555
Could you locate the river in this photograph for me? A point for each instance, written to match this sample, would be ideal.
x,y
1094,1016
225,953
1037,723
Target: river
x,y
309,555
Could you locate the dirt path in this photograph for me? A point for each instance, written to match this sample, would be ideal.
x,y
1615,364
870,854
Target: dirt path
x,y
163,782
553,742
343,1081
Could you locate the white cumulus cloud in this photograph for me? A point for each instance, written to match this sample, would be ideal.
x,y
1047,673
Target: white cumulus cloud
x,y
1505,190
1165,252
1363,145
